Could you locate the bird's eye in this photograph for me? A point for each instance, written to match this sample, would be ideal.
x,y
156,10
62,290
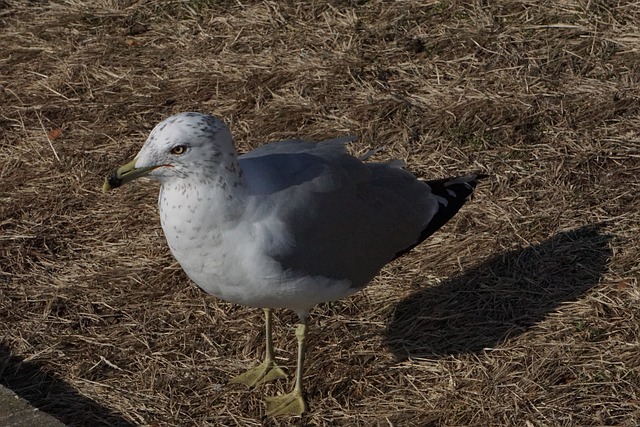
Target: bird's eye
x,y
178,149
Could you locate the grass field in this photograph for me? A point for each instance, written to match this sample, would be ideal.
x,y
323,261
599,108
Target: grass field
x,y
523,311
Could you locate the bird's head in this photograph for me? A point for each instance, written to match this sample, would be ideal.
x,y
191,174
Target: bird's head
x,y
181,145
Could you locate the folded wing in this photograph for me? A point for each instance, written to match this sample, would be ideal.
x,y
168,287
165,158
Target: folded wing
x,y
346,219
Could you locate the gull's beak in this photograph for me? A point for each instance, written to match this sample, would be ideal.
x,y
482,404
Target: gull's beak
x,y
124,174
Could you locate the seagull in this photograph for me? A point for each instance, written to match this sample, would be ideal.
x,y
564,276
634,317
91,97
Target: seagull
x,y
289,225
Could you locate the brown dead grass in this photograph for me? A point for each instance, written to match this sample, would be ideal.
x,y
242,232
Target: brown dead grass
x,y
524,311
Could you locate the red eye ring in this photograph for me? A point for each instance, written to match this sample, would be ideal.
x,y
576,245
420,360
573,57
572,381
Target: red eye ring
x,y
178,150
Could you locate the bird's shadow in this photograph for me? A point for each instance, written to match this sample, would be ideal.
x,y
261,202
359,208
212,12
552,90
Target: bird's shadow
x,y
44,391
499,298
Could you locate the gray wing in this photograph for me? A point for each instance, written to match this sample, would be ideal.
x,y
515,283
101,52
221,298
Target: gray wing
x,y
318,167
347,218
290,146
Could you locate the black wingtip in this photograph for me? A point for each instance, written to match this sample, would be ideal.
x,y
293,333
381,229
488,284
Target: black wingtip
x,y
454,192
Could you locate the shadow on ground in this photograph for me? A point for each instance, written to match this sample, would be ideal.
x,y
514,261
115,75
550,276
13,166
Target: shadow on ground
x,y
499,298
53,396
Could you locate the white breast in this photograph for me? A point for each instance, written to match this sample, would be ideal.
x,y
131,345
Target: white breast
x,y
229,258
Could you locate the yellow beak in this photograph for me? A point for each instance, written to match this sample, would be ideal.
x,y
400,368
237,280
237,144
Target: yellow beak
x,y
124,174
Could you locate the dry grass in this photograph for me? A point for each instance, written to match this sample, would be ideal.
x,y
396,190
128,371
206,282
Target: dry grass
x,y
524,311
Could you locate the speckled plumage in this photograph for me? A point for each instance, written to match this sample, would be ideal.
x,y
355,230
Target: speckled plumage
x,y
288,225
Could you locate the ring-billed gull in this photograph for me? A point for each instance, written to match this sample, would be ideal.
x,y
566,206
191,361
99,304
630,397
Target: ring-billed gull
x,y
287,225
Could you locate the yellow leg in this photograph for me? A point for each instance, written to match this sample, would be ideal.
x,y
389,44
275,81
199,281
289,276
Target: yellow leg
x,y
267,370
292,403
